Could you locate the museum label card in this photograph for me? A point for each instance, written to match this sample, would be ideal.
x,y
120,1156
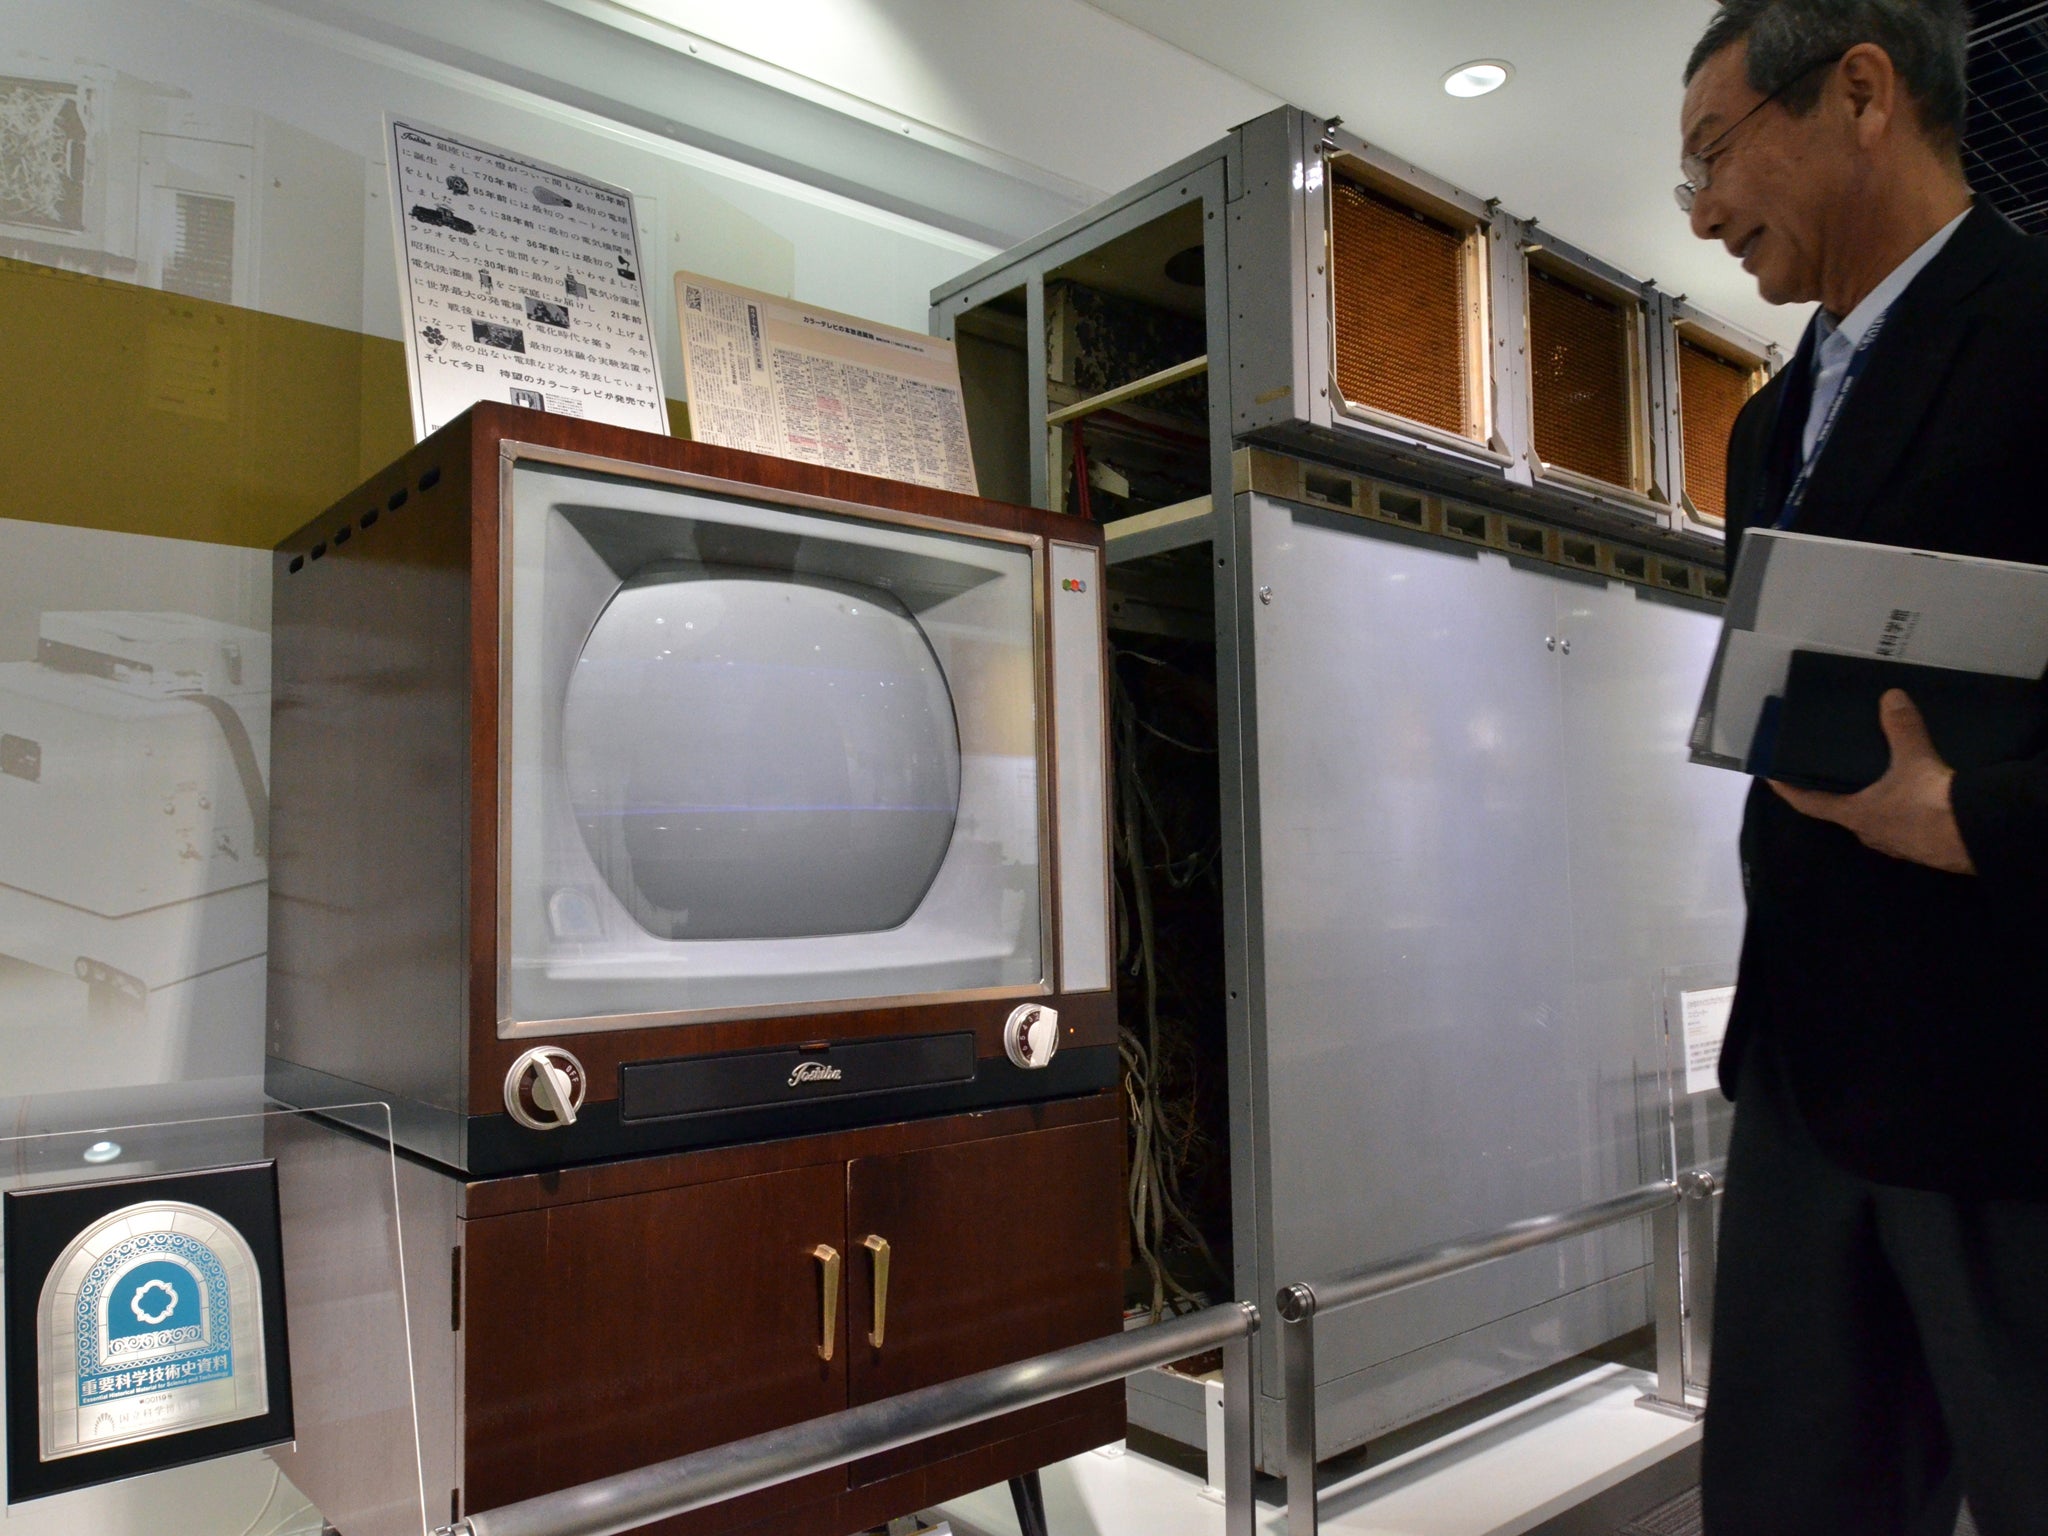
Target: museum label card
x,y
520,282
773,376
1705,1016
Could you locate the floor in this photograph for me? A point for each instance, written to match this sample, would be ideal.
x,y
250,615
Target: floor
x,y
1681,1517
1502,1475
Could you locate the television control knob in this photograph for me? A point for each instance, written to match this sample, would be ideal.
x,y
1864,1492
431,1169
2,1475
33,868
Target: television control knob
x,y
1031,1035
544,1088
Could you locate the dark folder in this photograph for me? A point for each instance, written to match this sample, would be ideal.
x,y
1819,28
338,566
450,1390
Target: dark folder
x,y
1823,732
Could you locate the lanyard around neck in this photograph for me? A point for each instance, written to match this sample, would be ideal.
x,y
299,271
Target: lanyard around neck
x,y
1796,496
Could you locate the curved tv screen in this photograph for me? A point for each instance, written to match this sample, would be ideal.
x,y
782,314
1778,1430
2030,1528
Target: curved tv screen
x,y
756,755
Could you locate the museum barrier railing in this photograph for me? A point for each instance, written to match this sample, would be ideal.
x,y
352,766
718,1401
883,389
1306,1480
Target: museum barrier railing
x,y
632,1499
1665,1202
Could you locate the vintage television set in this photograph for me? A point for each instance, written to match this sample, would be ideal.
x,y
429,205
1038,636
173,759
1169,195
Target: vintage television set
x,y
634,795
706,856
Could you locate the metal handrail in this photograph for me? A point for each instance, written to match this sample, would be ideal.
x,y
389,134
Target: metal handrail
x,y
631,1499
1424,1264
1299,1304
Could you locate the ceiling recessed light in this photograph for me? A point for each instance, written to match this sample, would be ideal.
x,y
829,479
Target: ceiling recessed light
x,y
1479,77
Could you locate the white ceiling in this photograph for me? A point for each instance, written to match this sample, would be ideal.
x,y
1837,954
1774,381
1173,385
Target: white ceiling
x,y
1099,94
1057,85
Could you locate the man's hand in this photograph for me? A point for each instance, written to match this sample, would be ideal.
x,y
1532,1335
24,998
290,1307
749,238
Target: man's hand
x,y
1906,813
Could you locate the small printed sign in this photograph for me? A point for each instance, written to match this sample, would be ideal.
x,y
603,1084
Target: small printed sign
x,y
520,282
1704,1014
144,1326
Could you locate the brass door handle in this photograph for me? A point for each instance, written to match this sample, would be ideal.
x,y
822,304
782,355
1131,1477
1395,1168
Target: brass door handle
x,y
828,1259
878,1250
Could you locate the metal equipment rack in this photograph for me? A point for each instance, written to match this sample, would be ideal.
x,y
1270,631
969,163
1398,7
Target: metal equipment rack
x,y
1460,845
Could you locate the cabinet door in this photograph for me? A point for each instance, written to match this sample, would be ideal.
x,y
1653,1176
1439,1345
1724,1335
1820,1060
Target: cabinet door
x,y
608,1334
1414,942
998,1250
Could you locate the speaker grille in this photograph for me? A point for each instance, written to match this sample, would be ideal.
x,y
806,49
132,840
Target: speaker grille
x,y
1402,311
1711,390
1580,345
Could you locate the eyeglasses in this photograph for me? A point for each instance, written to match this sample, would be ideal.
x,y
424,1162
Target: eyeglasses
x,y
1698,166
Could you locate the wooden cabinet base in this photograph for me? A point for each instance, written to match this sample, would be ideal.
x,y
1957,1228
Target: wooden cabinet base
x,y
571,1326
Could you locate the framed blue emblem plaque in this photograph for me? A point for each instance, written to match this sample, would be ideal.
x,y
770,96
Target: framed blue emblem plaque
x,y
145,1326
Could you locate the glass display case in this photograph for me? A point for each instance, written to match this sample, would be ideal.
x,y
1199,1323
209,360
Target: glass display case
x,y
204,1308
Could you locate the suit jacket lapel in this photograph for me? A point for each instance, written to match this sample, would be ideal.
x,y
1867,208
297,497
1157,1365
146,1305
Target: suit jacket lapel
x,y
1782,442
1909,362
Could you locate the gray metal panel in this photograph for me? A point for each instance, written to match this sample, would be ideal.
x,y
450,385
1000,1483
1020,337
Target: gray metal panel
x,y
1476,857
1245,1067
1034,391
1050,247
1416,916
1656,882
1508,308
1666,452
1269,301
1168,1404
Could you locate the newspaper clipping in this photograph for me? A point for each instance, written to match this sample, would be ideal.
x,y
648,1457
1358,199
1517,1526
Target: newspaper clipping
x,y
773,376
521,283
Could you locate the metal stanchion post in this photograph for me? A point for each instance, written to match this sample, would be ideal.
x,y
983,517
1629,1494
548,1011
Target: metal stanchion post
x,y
1240,1515
1669,1395
1297,1307
1701,1188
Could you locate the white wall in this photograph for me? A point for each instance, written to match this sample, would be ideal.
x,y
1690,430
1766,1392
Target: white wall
x,y
296,108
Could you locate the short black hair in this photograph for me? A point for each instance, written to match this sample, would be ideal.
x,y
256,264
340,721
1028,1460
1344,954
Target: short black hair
x,y
1928,41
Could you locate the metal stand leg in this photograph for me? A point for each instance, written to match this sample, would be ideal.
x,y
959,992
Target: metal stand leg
x,y
1297,1307
1669,1395
1029,1498
1239,1513
1701,1189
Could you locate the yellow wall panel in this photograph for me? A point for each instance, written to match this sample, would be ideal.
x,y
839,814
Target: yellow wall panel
x,y
129,409
137,411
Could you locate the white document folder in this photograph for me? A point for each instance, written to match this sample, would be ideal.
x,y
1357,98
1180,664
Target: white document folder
x,y
1798,592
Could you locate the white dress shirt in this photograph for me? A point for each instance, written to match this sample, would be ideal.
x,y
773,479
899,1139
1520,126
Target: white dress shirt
x,y
1836,341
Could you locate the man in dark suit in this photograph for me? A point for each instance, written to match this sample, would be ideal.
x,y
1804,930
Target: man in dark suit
x,y
1881,1338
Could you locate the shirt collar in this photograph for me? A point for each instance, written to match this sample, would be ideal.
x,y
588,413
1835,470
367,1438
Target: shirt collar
x,y
1855,325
